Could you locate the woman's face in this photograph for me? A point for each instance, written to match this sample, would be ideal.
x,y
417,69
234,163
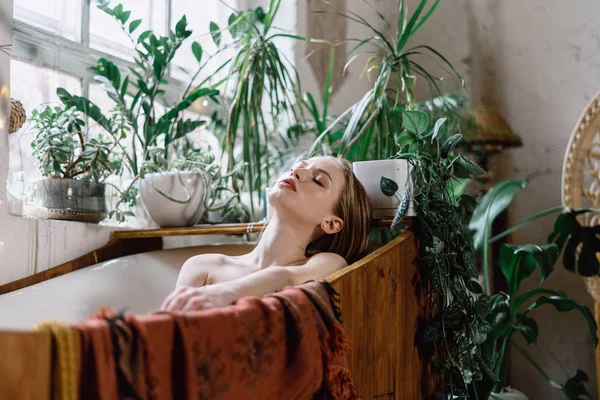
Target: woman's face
x,y
310,190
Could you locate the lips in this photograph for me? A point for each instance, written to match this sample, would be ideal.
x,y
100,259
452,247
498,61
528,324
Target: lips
x,y
289,183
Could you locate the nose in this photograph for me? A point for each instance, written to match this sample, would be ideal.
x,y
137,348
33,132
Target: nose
x,y
298,173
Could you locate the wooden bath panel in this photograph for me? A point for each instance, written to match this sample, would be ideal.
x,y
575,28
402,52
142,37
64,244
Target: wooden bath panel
x,y
381,303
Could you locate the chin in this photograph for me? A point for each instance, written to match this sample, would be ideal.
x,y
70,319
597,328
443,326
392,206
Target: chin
x,y
281,202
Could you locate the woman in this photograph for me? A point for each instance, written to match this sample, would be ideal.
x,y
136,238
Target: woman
x,y
319,222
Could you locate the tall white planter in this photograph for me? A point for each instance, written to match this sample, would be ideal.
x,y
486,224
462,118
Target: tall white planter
x,y
369,173
167,213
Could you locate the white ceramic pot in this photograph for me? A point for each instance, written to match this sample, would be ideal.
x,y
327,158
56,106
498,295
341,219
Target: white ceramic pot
x,y
510,394
369,173
167,213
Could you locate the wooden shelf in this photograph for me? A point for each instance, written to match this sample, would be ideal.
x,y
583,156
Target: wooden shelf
x,y
222,229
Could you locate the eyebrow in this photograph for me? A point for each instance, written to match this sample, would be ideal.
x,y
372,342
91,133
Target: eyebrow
x,y
321,170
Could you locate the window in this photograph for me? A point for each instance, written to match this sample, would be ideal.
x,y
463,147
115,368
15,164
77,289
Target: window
x,y
56,41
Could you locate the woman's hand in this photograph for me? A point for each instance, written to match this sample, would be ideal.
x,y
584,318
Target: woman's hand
x,y
194,298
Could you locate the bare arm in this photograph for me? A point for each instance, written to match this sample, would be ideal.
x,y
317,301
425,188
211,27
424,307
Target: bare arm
x,y
256,284
276,278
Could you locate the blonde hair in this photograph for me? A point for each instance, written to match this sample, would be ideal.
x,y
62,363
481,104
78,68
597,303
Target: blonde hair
x,y
354,208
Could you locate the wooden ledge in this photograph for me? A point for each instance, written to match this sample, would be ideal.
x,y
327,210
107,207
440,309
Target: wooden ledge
x,y
223,229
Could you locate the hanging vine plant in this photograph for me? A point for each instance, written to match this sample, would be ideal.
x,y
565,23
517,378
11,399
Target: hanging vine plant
x,y
460,310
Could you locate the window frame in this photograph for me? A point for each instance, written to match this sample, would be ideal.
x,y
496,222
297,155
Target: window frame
x,y
41,48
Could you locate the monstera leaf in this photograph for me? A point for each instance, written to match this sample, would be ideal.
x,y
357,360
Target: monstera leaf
x,y
580,243
563,303
574,387
519,262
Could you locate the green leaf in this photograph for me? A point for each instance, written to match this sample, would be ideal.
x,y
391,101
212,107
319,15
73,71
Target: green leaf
x,y
528,328
473,286
405,139
518,262
197,50
388,186
436,128
260,14
580,243
180,26
402,208
465,168
500,316
125,17
563,303
415,122
574,388
457,187
449,145
144,35
496,200
85,106
118,11
215,33
134,25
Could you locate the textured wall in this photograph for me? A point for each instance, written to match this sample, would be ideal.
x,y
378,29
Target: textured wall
x,y
538,62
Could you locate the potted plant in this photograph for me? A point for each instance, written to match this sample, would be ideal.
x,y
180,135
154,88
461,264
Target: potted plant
x,y
373,134
74,165
139,95
184,190
511,312
262,121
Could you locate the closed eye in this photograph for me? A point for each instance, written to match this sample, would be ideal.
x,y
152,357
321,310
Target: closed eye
x,y
317,182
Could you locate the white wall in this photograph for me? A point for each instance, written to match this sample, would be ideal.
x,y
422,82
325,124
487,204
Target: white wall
x,y
28,246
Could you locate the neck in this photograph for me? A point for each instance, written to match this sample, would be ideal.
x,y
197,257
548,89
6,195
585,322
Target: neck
x,y
281,244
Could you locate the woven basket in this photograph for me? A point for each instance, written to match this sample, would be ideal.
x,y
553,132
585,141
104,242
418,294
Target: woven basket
x,y
593,287
17,116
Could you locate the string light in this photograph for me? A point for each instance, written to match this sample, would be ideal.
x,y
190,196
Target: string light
x,y
4,91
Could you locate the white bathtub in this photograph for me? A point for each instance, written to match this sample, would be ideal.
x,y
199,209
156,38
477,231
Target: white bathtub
x,y
137,283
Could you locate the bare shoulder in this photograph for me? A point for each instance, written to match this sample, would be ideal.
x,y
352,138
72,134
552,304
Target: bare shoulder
x,y
195,271
206,259
317,267
332,259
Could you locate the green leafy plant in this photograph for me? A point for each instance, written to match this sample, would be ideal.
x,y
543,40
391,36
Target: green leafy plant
x,y
448,269
64,149
373,128
264,94
511,312
138,96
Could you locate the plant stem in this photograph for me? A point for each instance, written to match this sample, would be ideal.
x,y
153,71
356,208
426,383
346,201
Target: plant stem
x,y
526,221
537,367
485,264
